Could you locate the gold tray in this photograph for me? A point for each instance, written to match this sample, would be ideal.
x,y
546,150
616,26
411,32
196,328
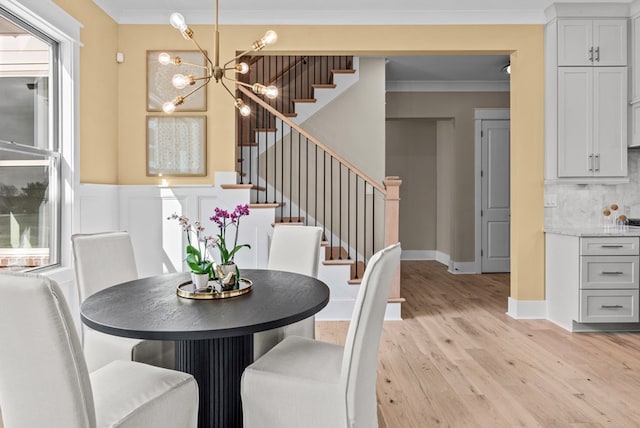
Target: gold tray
x,y
185,290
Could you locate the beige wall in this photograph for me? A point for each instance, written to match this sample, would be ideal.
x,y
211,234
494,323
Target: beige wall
x,y
359,139
98,92
411,154
458,106
523,42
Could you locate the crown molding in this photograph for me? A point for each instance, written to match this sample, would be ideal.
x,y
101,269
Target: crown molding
x,y
588,10
448,86
326,17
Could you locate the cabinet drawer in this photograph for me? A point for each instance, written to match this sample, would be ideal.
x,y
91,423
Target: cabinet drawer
x,y
599,306
624,246
609,272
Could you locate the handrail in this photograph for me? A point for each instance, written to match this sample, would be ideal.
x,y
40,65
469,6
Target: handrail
x,y
302,132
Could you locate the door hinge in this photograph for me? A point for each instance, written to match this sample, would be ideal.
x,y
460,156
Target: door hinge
x,y
481,134
481,213
481,173
481,253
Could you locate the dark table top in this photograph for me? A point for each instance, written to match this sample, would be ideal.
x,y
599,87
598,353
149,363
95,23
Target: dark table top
x,y
149,308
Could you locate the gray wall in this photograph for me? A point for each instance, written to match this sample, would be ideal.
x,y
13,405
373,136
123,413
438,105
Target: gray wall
x,y
411,155
459,108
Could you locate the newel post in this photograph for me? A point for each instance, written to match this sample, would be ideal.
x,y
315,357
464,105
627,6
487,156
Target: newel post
x,y
392,225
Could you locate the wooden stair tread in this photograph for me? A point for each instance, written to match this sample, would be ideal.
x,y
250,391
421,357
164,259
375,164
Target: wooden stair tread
x,y
323,86
265,129
243,186
324,243
269,205
243,144
343,71
338,262
304,100
291,114
236,186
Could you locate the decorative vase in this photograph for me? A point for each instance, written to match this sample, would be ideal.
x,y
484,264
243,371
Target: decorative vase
x,y
200,280
228,275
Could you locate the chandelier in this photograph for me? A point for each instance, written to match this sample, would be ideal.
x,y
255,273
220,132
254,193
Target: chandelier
x,y
212,69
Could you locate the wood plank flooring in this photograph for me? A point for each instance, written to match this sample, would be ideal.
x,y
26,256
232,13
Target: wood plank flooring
x,y
457,360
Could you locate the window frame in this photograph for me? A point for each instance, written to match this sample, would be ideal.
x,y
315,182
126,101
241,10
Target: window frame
x,y
53,22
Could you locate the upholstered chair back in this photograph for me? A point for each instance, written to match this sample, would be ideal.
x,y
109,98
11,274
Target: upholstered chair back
x,y
295,249
360,358
44,380
102,260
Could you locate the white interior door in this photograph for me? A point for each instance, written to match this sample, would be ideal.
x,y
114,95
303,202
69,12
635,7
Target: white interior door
x,y
496,206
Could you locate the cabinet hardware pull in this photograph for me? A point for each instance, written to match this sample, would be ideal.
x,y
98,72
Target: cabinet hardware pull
x,y
598,54
597,163
611,273
611,246
590,162
591,54
611,306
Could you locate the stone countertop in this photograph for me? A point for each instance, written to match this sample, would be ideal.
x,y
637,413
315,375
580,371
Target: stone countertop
x,y
593,231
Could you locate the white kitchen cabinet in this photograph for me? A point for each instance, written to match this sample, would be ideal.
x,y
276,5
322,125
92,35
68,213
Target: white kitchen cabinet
x,y
591,282
592,121
634,141
592,42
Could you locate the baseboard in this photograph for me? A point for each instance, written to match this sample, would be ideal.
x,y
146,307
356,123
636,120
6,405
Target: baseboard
x,y
527,309
442,258
460,268
438,256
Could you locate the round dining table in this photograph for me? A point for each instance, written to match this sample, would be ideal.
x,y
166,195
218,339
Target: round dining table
x,y
214,338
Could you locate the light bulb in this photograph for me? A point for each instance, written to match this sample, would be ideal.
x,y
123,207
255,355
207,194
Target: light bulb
x,y
245,110
242,68
168,107
177,21
269,38
164,58
180,81
242,107
271,92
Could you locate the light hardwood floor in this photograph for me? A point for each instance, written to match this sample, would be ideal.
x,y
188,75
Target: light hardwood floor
x,y
457,360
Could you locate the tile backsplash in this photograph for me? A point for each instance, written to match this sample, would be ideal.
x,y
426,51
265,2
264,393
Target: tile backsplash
x,y
581,205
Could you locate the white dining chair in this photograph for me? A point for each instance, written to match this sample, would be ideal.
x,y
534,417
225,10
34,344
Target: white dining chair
x,y
294,249
312,384
103,260
44,381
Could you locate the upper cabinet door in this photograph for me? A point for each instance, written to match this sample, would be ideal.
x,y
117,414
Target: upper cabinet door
x,y
610,42
575,42
592,42
575,122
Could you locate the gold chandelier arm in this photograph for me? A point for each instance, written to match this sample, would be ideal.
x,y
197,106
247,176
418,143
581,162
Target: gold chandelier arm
x,y
236,57
194,65
195,42
207,79
228,90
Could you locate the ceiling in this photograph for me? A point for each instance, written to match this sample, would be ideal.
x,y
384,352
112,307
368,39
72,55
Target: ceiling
x,y
377,12
442,68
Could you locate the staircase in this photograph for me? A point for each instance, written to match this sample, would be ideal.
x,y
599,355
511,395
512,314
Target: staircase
x,y
304,180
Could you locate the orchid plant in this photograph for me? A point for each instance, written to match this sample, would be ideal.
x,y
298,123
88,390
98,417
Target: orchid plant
x,y
197,257
224,219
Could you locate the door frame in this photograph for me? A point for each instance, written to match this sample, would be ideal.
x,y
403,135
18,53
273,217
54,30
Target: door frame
x,y
480,114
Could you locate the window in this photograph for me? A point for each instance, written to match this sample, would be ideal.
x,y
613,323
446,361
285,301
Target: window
x,y
30,173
